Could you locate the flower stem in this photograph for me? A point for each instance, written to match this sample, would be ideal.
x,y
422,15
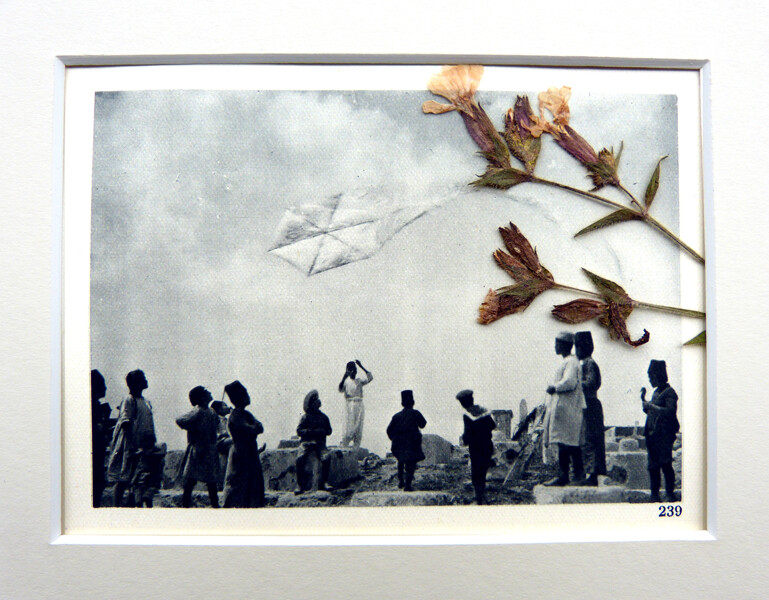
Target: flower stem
x,y
660,227
684,312
642,214
632,198
586,194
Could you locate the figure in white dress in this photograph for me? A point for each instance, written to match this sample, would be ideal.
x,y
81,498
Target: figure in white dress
x,y
352,388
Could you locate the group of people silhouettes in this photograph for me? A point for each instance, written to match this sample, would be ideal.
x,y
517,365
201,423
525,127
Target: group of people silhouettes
x,y
574,422
223,440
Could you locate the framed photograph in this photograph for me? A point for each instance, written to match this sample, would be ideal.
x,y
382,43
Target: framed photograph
x,y
75,87
395,275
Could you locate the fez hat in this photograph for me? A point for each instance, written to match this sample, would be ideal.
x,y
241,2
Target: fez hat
x,y
237,393
465,395
584,339
659,367
407,397
565,336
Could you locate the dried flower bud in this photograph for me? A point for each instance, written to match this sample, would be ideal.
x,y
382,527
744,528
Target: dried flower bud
x,y
575,144
604,169
519,123
506,301
579,311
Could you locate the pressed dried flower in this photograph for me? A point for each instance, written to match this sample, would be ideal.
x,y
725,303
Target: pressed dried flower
x,y
604,169
557,102
519,122
522,264
579,311
498,304
614,320
458,84
612,313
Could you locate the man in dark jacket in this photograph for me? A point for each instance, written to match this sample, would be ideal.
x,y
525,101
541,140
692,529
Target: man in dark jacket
x,y
406,438
477,436
312,464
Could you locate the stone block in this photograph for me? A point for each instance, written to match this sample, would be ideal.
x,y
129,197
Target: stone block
x,y
612,446
504,420
343,467
437,450
306,500
362,453
628,445
279,468
587,495
629,469
377,499
171,469
523,411
294,442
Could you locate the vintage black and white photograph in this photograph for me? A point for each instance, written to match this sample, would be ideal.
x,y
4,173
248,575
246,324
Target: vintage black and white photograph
x,y
463,294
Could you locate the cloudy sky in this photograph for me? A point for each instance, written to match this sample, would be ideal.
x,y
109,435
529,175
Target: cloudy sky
x,y
189,188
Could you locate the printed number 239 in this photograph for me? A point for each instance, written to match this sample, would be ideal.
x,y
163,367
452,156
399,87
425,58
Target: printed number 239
x,y
670,511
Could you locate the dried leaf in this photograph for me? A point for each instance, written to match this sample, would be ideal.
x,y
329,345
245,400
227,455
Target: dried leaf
x,y
579,311
698,340
501,179
619,216
610,290
654,184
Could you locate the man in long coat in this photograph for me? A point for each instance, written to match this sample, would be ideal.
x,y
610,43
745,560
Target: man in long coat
x,y
406,438
564,421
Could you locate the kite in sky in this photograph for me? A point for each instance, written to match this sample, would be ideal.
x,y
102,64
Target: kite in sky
x,y
316,237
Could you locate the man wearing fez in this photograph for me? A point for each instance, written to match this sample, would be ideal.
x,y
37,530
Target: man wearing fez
x,y
406,438
477,436
564,421
660,430
590,376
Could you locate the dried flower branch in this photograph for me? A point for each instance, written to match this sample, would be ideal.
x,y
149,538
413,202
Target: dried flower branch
x,y
521,262
522,139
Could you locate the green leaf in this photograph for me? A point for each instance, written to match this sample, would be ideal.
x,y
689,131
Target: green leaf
x,y
698,340
654,184
619,216
609,289
501,179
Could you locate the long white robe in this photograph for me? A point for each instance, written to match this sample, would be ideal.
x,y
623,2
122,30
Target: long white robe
x,y
564,423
